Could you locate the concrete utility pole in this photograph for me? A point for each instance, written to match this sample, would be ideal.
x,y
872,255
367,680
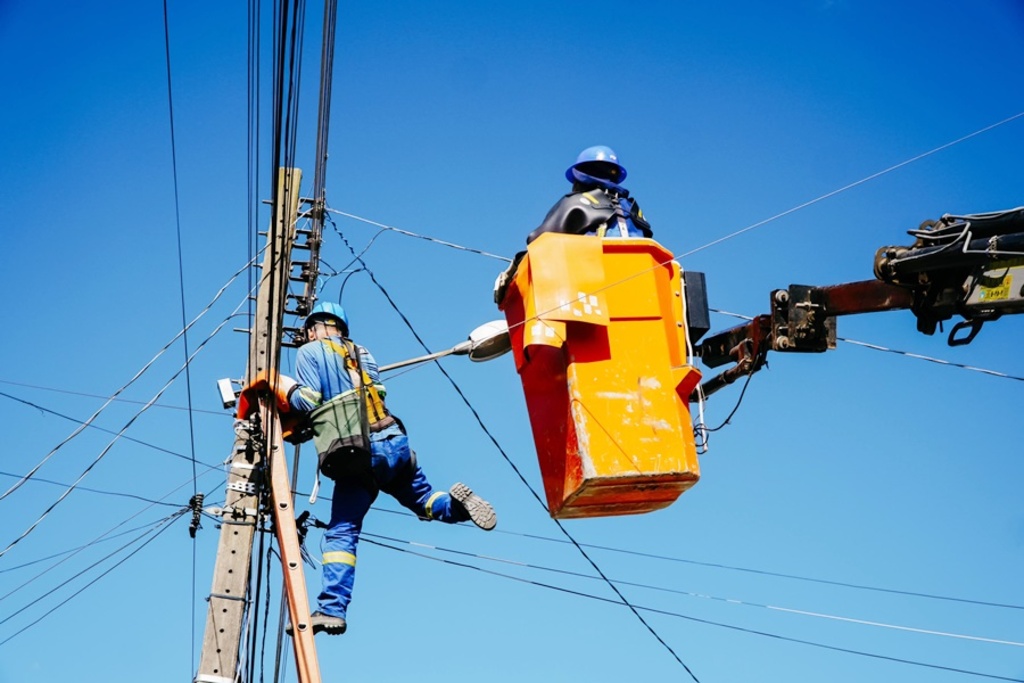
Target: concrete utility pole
x,y
251,459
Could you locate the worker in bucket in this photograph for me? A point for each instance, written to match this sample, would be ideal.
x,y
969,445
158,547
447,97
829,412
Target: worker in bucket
x,y
363,448
597,204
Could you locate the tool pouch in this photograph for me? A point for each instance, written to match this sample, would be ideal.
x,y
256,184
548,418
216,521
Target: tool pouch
x,y
341,436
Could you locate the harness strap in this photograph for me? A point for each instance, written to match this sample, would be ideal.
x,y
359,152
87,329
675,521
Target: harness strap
x,y
375,410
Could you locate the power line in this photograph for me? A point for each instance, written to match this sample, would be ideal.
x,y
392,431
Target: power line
x,y
166,525
854,184
49,591
749,570
181,291
137,375
704,596
708,622
102,429
81,547
96,540
780,575
918,356
422,237
40,480
181,262
118,399
110,445
908,354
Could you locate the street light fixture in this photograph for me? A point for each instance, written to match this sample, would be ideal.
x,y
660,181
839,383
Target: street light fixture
x,y
487,341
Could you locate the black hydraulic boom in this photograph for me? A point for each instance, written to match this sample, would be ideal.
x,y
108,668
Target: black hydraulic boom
x,y
971,266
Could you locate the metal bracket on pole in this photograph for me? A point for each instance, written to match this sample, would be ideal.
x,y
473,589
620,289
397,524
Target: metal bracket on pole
x,y
243,487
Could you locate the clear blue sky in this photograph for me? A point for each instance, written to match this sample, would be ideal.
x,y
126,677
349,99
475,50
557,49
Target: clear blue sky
x,y
457,120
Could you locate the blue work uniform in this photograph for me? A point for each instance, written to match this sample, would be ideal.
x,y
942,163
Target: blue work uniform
x,y
322,375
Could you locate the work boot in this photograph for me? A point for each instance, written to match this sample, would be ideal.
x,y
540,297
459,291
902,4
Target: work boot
x,y
334,626
476,508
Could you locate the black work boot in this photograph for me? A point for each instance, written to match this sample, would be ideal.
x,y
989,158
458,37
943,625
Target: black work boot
x,y
476,508
333,626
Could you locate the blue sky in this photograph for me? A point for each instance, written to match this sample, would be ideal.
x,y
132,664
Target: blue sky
x,y
457,120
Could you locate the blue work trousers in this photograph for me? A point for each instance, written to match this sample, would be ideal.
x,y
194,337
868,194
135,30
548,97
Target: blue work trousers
x,y
397,475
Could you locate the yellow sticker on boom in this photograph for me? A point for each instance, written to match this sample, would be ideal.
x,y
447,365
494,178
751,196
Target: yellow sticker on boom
x,y
1000,292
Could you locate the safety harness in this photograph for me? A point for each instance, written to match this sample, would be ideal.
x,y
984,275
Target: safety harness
x,y
376,412
342,426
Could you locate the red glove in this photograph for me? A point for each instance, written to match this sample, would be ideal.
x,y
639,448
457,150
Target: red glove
x,y
266,380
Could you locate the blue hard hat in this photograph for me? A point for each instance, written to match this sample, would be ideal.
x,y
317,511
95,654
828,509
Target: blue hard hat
x,y
328,309
598,161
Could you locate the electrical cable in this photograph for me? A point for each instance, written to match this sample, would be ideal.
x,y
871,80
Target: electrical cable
x,y
266,614
252,125
181,292
939,361
288,34
181,261
780,575
23,565
254,604
97,539
110,445
137,375
852,185
698,620
918,356
167,525
718,565
101,429
704,596
356,258
739,401
88,395
40,480
444,243
65,582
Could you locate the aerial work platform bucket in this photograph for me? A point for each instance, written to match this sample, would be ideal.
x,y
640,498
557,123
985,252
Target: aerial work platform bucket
x,y
599,337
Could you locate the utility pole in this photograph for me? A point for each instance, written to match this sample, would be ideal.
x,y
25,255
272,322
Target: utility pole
x,y
257,461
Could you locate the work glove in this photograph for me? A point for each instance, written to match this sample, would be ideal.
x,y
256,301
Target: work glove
x,y
296,427
266,380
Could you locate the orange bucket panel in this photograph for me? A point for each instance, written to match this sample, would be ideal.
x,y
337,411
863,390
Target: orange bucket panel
x,y
601,356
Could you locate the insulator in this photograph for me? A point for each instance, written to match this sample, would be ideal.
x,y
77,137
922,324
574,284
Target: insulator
x,y
196,503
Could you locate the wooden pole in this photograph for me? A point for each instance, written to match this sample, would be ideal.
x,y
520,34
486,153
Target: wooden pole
x,y
229,596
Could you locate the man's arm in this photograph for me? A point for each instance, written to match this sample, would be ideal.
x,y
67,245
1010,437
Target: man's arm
x,y
307,396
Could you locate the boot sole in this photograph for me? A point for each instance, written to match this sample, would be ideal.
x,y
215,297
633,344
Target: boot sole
x,y
480,511
319,626
332,628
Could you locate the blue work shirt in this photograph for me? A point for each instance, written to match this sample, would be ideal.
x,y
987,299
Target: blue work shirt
x,y
322,373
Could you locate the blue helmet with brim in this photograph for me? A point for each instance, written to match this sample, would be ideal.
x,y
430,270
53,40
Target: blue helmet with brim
x,y
599,162
328,310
